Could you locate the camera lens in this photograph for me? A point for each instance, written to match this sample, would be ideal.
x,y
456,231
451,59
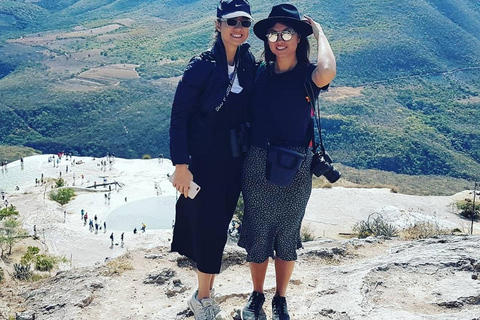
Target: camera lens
x,y
332,175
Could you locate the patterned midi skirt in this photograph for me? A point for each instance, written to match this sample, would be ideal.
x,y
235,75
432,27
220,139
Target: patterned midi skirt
x,y
273,214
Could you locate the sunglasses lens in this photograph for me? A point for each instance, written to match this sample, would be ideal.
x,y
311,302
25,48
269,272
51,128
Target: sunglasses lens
x,y
246,23
286,36
272,37
232,22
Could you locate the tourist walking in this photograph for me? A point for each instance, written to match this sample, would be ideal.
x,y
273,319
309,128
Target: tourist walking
x,y
111,238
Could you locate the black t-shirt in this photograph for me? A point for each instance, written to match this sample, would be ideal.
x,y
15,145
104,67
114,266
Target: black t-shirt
x,y
281,110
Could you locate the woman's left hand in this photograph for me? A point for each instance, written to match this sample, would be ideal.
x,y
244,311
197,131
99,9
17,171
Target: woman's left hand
x,y
316,27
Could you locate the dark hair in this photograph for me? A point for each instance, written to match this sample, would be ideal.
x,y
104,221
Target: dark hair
x,y
303,49
216,34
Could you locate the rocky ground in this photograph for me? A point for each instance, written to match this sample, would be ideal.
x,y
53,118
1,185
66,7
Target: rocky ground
x,y
334,279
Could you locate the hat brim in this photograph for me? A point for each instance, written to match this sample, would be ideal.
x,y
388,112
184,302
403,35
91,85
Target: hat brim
x,y
261,27
237,14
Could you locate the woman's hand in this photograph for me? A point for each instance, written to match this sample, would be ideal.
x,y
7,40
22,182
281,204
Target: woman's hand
x,y
316,27
182,179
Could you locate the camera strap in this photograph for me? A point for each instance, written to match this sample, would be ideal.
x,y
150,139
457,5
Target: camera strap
x,y
229,88
316,116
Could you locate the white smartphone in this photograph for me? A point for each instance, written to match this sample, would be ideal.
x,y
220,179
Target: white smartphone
x,y
193,188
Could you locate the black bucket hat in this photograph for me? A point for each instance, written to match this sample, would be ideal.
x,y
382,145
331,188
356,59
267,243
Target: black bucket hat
x,y
283,13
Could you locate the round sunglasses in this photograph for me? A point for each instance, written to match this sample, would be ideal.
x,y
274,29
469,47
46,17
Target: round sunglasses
x,y
285,35
235,22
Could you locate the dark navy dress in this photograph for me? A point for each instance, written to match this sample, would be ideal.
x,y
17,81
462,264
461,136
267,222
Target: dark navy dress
x,y
201,224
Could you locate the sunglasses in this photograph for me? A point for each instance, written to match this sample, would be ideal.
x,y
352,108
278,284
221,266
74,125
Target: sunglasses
x,y
235,22
285,35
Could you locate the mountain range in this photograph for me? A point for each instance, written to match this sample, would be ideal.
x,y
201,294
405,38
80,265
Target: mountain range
x,y
97,76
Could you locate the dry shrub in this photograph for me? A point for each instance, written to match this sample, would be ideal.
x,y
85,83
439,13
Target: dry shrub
x,y
423,230
39,277
306,234
375,226
467,209
118,266
321,182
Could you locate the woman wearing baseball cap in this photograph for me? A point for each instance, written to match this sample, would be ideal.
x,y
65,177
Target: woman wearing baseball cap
x,y
208,115
281,118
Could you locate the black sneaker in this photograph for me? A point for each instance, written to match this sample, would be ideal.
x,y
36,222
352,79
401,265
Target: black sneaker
x,y
253,310
279,308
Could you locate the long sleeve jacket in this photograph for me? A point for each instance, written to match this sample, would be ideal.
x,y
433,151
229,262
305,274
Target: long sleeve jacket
x,y
199,92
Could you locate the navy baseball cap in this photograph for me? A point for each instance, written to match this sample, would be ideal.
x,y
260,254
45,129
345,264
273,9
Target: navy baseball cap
x,y
227,9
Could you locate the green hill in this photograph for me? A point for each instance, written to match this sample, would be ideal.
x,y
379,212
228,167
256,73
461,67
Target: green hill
x,y
414,66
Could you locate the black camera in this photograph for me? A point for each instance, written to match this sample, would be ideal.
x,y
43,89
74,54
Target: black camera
x,y
322,165
239,140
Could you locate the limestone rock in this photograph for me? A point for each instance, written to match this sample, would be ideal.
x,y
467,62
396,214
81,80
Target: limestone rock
x,y
378,279
159,277
175,287
25,315
65,294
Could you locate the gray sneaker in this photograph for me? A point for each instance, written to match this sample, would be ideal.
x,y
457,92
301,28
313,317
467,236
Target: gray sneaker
x,y
202,310
216,307
253,310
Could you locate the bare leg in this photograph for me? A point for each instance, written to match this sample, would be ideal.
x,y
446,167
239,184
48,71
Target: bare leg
x,y
283,273
204,281
258,272
212,281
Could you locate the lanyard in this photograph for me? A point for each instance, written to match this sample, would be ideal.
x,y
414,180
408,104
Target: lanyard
x,y
229,88
316,116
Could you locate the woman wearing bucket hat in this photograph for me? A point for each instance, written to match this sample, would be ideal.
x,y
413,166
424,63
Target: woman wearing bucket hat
x,y
282,119
208,112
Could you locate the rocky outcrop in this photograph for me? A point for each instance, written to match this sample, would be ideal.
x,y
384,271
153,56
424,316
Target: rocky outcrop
x,y
353,279
65,294
159,278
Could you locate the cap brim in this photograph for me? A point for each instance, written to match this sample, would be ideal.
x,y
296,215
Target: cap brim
x,y
237,14
261,27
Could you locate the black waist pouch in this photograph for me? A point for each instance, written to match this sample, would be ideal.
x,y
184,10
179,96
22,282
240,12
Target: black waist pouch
x,y
282,165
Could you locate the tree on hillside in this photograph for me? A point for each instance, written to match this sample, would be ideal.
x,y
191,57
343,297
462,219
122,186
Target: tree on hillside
x,y
62,196
9,211
10,233
467,210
